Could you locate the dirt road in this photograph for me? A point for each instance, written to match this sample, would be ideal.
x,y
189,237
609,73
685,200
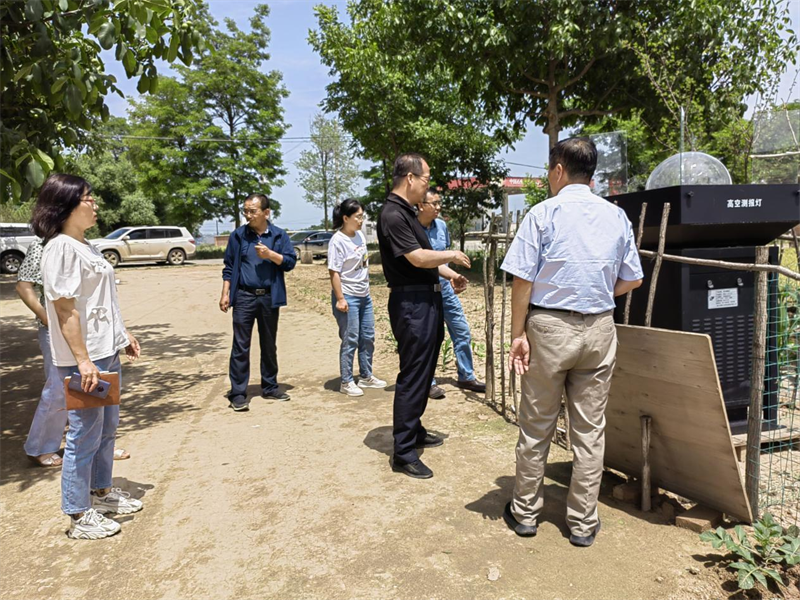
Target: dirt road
x,y
296,500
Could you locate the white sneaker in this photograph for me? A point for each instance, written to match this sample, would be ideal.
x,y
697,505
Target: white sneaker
x,y
92,526
350,389
372,382
116,501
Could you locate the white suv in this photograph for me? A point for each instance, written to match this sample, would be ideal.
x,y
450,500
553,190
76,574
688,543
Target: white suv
x,y
14,241
161,244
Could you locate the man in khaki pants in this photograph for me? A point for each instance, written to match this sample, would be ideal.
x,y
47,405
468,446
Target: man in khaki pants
x,y
572,254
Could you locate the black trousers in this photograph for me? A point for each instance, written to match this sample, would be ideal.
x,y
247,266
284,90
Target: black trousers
x,y
417,322
247,310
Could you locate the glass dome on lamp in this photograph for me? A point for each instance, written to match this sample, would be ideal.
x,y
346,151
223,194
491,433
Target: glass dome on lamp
x,y
698,168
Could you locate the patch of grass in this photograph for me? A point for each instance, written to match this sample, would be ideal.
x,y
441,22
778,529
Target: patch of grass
x,y
209,251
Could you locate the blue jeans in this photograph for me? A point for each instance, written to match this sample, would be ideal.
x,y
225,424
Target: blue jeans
x,y
458,328
89,453
50,418
357,331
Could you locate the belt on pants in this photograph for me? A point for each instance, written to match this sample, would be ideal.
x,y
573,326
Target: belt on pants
x,y
417,288
256,291
563,310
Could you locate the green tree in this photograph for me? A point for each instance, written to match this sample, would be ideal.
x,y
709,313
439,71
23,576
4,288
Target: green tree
x,y
53,77
223,121
173,169
559,63
390,106
115,186
328,170
536,190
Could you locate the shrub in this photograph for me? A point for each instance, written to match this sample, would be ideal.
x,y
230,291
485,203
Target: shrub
x,y
209,251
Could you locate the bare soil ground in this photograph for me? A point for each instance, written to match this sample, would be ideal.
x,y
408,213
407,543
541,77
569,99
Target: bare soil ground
x,y
297,500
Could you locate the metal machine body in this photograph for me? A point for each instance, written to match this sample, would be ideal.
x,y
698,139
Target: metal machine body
x,y
719,223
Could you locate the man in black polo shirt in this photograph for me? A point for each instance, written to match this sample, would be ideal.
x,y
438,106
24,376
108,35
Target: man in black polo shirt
x,y
415,307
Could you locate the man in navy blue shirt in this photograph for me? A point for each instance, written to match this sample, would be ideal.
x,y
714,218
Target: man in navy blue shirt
x,y
257,256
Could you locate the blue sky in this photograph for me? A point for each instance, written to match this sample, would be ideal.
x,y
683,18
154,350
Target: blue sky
x,y
305,78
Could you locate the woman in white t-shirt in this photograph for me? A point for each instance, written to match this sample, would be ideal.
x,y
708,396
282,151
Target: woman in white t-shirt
x,y
86,335
348,265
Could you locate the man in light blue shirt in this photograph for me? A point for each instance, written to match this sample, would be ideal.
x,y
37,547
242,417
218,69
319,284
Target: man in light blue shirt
x,y
454,318
571,256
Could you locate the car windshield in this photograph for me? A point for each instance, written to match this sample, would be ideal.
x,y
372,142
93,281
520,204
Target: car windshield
x,y
118,233
300,236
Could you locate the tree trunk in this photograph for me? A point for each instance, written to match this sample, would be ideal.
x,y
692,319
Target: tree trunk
x,y
325,210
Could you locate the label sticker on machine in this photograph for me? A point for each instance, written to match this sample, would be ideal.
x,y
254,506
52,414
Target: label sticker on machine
x,y
724,298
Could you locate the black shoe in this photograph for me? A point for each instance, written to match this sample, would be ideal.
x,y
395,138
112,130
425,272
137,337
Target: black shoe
x,y
473,385
277,395
416,469
239,404
436,392
430,441
516,526
584,542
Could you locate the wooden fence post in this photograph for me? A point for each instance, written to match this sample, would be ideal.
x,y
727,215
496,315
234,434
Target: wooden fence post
x,y
662,234
646,424
755,410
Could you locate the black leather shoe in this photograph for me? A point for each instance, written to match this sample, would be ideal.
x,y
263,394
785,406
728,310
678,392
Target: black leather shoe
x,y
239,404
473,385
416,469
277,395
516,526
430,441
436,392
584,542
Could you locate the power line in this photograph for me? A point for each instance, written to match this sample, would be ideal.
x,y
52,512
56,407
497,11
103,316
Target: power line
x,y
516,164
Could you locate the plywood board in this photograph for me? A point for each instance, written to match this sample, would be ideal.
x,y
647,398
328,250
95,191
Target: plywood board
x,y
672,377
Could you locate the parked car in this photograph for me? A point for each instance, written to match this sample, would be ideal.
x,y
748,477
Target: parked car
x,y
172,245
14,241
316,241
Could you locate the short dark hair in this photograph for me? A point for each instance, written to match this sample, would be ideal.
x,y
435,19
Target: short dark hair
x,y
347,208
59,196
410,162
432,191
578,156
261,198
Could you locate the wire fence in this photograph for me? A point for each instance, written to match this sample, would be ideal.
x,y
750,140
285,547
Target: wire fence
x,y
779,474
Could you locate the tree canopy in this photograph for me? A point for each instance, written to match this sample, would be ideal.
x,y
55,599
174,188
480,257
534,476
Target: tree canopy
x,y
558,63
328,170
54,81
223,122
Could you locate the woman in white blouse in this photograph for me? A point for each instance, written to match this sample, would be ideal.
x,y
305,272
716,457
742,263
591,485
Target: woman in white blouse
x,y
86,335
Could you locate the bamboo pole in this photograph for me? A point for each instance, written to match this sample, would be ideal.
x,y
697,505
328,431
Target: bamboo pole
x,y
755,410
639,235
646,426
662,235
507,221
734,266
488,279
490,345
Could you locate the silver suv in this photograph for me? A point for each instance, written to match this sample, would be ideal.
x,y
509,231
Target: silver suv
x,y
172,245
14,241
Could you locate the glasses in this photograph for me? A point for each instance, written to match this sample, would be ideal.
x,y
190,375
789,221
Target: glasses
x,y
425,178
360,218
434,204
255,211
88,199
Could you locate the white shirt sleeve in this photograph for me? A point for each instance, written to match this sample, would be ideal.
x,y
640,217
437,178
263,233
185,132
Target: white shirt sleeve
x,y
631,267
522,258
61,272
336,254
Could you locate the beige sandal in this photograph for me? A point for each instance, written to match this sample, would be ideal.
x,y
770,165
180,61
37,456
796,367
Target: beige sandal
x,y
121,454
47,460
